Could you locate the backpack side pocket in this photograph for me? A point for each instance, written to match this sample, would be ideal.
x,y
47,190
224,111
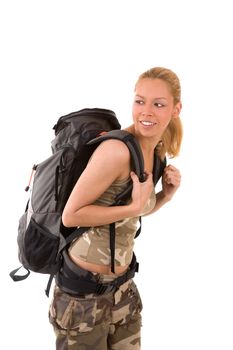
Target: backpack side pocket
x,y
38,247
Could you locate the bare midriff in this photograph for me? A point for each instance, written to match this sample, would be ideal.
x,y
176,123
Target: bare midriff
x,y
103,269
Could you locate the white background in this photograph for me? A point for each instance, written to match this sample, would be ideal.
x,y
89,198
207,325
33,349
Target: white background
x,y
61,56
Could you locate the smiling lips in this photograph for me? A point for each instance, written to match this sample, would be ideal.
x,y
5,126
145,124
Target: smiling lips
x,y
147,123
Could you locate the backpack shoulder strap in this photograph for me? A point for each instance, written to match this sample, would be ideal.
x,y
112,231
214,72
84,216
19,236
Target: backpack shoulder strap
x,y
136,153
131,143
159,165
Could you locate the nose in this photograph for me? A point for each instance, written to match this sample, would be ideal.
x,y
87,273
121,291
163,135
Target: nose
x,y
147,111
147,114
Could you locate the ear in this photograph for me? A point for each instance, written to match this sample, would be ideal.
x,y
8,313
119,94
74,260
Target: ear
x,y
177,110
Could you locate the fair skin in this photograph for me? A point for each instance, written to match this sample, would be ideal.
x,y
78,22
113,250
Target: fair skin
x,y
153,109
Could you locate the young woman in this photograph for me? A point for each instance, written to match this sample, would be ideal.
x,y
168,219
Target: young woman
x,y
111,319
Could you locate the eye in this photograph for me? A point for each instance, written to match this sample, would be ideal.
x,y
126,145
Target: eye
x,y
159,105
138,101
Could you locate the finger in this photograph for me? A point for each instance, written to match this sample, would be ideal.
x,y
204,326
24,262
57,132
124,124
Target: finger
x,y
172,175
173,180
171,168
148,175
134,176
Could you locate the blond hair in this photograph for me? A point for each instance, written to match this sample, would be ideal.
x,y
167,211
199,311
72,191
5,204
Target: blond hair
x,y
172,137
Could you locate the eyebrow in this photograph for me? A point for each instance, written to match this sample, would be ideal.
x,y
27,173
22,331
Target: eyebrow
x,y
156,98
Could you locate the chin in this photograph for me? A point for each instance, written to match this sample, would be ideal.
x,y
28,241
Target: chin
x,y
148,132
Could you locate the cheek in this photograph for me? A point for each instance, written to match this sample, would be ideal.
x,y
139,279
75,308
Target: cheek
x,y
166,116
165,120
136,110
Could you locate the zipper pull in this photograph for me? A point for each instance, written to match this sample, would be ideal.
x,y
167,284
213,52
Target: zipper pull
x,y
30,179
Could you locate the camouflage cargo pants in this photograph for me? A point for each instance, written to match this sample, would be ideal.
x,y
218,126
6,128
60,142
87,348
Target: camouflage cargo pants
x,y
97,322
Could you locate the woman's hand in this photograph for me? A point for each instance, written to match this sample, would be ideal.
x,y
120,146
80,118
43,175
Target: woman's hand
x,y
141,191
170,181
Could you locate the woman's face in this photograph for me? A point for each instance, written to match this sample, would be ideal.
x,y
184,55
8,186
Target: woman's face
x,y
153,107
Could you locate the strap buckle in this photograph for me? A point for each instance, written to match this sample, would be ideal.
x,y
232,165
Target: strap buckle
x,y
104,288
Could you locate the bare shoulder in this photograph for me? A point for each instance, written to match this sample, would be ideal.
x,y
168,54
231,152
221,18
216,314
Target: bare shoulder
x,y
114,150
111,157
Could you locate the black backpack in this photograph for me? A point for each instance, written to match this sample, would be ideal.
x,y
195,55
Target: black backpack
x,y
41,235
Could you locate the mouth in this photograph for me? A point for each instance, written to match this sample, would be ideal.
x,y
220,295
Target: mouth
x,y
147,123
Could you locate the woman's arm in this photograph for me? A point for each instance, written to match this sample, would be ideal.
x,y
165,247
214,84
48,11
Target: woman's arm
x,y
110,162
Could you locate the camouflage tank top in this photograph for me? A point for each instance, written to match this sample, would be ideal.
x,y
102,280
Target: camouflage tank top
x,y
93,245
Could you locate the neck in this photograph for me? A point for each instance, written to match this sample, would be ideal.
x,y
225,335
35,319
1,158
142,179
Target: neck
x,y
147,144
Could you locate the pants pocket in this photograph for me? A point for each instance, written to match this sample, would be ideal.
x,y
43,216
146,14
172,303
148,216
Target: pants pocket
x,y
128,304
138,306
72,314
